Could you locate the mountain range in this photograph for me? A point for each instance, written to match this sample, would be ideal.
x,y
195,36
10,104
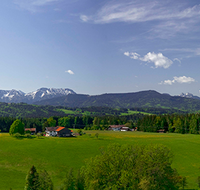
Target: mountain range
x,y
148,98
17,96
68,98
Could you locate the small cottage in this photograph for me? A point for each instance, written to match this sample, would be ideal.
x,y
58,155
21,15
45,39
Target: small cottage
x,y
118,128
31,130
57,131
161,131
125,129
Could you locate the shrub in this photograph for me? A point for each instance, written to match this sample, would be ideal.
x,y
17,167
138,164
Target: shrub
x,y
17,135
28,135
97,135
39,135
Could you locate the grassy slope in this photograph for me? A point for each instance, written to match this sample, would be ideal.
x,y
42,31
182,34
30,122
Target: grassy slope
x,y
56,155
130,112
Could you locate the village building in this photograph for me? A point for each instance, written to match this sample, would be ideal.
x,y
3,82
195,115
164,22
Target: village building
x,y
31,130
57,131
161,131
118,128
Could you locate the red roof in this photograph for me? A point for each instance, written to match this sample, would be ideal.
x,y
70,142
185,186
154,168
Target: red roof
x,y
117,126
30,129
60,128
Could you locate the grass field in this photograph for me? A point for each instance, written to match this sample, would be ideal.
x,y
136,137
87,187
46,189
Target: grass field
x,y
76,112
130,112
57,155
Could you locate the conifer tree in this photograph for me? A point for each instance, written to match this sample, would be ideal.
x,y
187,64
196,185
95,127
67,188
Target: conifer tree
x,y
69,181
45,182
32,179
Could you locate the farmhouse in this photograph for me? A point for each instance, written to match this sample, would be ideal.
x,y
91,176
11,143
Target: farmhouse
x,y
118,128
57,131
32,130
161,131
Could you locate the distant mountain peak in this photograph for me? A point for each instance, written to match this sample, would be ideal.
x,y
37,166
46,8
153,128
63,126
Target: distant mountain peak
x,y
189,95
43,93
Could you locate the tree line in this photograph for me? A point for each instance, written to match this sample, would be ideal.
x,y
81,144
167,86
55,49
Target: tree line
x,y
178,123
87,122
185,123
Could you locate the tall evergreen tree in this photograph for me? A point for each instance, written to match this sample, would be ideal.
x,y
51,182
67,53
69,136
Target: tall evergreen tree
x,y
193,125
69,182
32,179
45,182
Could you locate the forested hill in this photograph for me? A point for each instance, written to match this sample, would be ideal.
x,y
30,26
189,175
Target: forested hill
x,y
125,100
22,110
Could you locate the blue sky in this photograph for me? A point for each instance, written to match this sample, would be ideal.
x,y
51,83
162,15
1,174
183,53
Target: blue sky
x,y
96,47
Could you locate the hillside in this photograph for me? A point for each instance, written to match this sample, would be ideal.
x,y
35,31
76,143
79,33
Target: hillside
x,y
125,100
26,110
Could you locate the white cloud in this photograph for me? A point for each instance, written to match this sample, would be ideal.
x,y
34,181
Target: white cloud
x,y
70,72
159,59
132,55
168,20
190,51
138,11
32,5
84,18
184,79
170,82
176,59
181,80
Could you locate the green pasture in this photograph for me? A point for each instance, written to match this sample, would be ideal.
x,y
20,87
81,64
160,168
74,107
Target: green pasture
x,y
57,155
130,112
71,112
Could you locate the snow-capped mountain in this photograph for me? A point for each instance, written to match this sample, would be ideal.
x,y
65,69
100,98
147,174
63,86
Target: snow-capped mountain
x,y
189,95
16,96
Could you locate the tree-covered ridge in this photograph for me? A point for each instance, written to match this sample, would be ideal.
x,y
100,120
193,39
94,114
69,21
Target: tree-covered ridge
x,y
116,111
22,110
126,100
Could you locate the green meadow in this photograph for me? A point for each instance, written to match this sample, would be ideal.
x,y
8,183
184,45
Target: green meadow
x,y
57,155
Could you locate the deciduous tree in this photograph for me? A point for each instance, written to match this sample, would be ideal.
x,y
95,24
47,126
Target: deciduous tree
x,y
131,167
17,127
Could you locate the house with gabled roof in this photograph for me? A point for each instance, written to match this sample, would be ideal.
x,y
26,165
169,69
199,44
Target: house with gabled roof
x,y
118,128
57,131
31,130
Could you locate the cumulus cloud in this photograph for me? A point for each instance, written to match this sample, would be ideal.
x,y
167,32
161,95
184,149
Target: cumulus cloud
x,y
181,80
132,55
70,72
159,59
